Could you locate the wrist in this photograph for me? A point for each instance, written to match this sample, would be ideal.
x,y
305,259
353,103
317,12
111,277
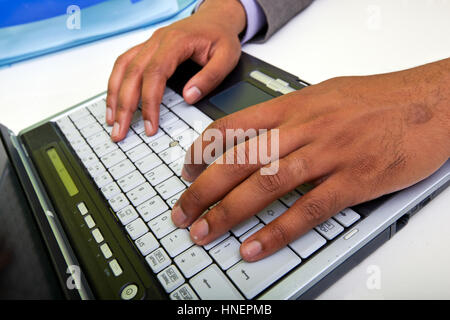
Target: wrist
x,y
229,13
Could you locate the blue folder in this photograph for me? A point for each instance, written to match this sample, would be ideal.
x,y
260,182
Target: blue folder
x,y
30,28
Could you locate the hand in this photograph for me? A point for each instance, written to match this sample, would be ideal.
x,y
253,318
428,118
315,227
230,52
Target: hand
x,y
356,138
209,37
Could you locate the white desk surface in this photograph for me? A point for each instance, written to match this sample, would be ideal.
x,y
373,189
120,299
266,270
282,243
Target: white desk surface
x,y
330,38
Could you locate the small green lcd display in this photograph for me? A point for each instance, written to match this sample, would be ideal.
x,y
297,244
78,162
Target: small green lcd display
x,y
62,172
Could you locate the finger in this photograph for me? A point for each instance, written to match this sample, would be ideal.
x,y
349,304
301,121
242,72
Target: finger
x,y
232,168
211,75
258,191
162,65
253,118
115,80
313,208
130,89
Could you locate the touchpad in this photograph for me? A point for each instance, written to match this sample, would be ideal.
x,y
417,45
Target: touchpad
x,y
241,95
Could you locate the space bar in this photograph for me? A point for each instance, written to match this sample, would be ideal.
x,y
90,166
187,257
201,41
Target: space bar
x,y
252,278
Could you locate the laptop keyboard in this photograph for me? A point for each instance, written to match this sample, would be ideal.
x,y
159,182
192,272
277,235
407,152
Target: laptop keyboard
x,y
140,177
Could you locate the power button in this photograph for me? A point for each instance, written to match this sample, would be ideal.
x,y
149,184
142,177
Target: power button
x,y
129,292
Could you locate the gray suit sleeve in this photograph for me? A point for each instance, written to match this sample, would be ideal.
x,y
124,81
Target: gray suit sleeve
x,y
278,13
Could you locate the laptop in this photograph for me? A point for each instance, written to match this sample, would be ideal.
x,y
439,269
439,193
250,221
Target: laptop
x,y
85,218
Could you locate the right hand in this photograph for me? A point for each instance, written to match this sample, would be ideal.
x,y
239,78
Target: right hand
x,y
210,37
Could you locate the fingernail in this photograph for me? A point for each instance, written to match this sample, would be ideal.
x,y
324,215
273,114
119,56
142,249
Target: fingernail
x,y
109,117
252,249
178,216
193,94
115,130
148,127
199,230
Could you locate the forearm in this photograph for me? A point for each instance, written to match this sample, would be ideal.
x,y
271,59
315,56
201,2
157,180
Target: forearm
x,y
231,13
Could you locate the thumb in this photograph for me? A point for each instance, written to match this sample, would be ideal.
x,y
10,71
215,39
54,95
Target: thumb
x,y
211,75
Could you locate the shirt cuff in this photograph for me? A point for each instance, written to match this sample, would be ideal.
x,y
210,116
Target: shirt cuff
x,y
256,18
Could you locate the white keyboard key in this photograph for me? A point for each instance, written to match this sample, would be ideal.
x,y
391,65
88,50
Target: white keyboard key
x,y
176,128
136,228
166,119
104,148
177,166
152,208
98,138
176,242
158,260
88,158
141,193
171,99
138,152
158,174
192,261
273,211
97,108
329,229
250,232
115,267
106,251
148,139
103,179
163,109
171,201
347,217
108,128
131,181
217,241
184,292
138,126
172,154
212,284
65,125
226,253
74,116
74,137
84,122
186,138
162,225
91,129
148,163
97,235
81,148
307,244
161,144
170,187
147,243
118,202
130,141
290,198
127,214
244,226
254,277
113,158
170,278
96,169
192,116
110,190
89,221
121,169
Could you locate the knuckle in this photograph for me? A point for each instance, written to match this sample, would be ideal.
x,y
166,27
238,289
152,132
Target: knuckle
x,y
133,70
192,197
273,182
121,60
221,213
154,69
279,233
313,210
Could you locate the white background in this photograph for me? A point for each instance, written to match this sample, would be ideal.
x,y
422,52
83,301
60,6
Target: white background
x,y
330,38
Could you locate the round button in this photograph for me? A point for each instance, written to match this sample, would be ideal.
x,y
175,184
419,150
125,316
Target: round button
x,y
129,292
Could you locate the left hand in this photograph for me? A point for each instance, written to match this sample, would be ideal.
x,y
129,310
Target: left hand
x,y
357,138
